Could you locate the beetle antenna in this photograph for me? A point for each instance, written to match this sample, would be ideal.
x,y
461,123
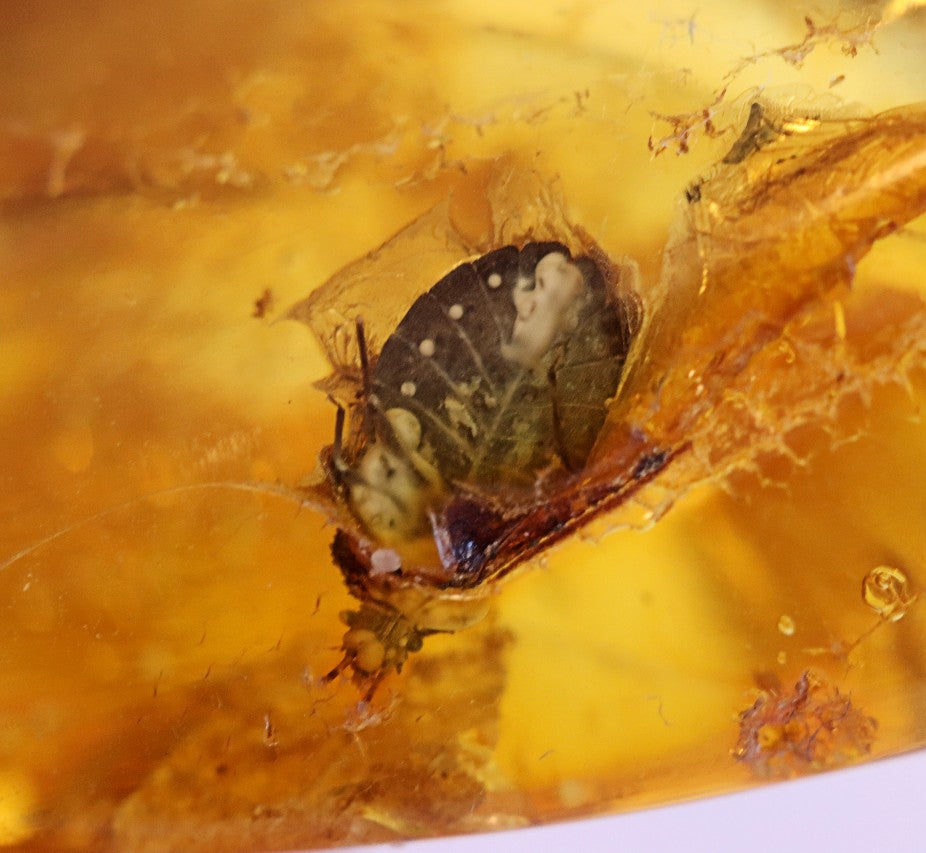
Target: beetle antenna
x,y
364,357
366,382
338,444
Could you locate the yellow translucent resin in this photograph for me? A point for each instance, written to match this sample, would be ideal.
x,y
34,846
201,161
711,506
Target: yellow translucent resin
x,y
173,177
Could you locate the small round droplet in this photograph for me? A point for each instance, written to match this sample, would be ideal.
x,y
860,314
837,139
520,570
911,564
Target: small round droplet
x,y
886,590
426,348
455,312
408,389
495,280
384,561
786,625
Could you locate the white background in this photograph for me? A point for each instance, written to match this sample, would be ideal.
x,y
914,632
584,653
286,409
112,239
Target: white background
x,y
872,808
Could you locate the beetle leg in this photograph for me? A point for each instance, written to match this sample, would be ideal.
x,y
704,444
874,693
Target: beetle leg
x,y
337,468
370,409
373,682
342,664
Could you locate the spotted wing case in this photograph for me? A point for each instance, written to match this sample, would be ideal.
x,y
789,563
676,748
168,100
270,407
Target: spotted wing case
x,y
492,415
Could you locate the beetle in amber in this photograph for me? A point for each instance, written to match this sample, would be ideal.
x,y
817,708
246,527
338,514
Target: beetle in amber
x,y
489,394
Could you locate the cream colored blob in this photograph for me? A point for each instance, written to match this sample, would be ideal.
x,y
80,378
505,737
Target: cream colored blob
x,y
384,561
547,306
393,485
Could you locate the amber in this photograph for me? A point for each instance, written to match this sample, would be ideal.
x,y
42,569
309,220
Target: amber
x,y
174,177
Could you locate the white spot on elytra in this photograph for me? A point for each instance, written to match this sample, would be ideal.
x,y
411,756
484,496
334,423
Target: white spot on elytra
x,y
426,347
495,280
455,312
408,389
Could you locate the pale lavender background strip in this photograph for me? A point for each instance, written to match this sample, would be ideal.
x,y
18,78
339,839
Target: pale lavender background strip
x,y
871,808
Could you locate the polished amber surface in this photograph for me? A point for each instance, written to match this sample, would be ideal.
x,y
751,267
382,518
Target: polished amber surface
x,y
169,171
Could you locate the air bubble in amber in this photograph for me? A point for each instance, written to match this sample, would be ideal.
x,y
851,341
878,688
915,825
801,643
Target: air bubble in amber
x,y
887,591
